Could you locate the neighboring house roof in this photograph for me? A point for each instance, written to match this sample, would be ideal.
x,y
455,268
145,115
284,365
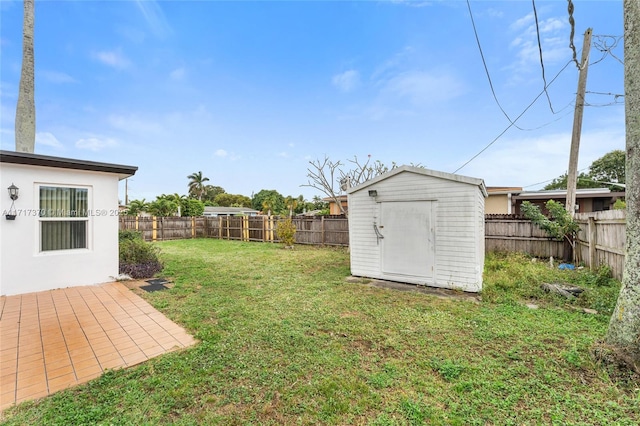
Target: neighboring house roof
x,y
562,193
30,159
214,210
424,172
339,197
501,190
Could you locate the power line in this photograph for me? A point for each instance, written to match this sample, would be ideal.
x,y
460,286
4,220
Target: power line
x,y
572,23
616,96
495,97
551,180
544,80
602,44
486,69
512,123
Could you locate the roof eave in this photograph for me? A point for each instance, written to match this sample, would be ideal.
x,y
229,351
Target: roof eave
x,y
14,157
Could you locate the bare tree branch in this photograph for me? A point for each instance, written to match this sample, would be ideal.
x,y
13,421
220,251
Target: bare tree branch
x,y
325,174
322,176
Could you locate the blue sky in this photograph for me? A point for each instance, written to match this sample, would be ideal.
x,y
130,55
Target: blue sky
x,y
250,92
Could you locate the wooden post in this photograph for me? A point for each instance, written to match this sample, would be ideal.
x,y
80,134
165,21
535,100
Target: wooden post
x,y
271,236
572,173
193,227
322,231
593,241
154,229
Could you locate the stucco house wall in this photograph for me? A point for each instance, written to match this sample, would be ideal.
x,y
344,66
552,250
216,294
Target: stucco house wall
x,y
24,267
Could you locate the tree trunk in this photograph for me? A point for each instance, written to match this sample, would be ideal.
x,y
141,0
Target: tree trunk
x,y
25,130
624,326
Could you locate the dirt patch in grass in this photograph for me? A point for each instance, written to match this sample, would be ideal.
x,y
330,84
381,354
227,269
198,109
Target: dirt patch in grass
x,y
442,293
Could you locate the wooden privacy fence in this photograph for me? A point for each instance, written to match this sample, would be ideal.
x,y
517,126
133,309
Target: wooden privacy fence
x,y
600,241
514,233
323,230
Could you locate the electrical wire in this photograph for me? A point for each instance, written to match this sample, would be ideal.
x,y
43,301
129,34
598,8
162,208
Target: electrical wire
x,y
544,80
495,97
616,96
550,180
486,69
601,43
572,23
512,123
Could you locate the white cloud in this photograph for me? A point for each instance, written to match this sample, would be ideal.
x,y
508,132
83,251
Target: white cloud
x,y
177,74
422,87
283,154
155,17
494,13
523,22
95,143
135,125
220,153
552,38
113,58
48,139
346,81
58,77
413,3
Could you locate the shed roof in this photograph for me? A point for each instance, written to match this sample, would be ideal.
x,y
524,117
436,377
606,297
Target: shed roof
x,y
31,159
421,171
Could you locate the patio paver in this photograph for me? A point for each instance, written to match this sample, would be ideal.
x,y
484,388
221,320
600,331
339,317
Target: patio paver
x,y
55,339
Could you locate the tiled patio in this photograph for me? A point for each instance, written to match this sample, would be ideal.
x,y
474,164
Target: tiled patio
x,y
52,340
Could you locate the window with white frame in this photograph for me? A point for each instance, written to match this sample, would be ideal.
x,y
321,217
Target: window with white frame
x,y
64,218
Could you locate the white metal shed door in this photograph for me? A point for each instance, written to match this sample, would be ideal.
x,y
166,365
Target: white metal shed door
x,y
408,244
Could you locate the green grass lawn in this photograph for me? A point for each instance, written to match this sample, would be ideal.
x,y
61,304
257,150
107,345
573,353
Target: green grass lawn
x,y
284,339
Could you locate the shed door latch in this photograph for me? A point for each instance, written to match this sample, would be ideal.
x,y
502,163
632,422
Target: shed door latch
x,y
379,236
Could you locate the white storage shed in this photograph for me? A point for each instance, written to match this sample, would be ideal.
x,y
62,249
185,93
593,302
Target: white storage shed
x,y
419,226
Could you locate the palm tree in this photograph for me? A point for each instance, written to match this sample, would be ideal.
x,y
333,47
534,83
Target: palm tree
x,y
268,204
196,184
291,204
136,207
25,130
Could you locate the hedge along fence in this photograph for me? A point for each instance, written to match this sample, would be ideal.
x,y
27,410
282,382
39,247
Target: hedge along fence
x,y
323,230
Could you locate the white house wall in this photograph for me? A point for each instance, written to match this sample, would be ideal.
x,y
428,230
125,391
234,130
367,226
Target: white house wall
x,y
459,231
23,267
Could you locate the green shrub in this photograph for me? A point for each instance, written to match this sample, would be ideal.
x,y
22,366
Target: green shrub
x,y
619,205
138,258
286,231
129,234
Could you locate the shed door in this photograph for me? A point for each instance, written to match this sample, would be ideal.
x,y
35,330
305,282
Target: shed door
x,y
408,244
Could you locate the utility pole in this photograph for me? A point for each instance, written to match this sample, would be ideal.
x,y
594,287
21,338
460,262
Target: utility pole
x,y
572,173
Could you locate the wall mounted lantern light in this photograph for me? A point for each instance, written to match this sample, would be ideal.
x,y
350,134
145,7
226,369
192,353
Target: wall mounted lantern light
x,y
13,194
373,193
